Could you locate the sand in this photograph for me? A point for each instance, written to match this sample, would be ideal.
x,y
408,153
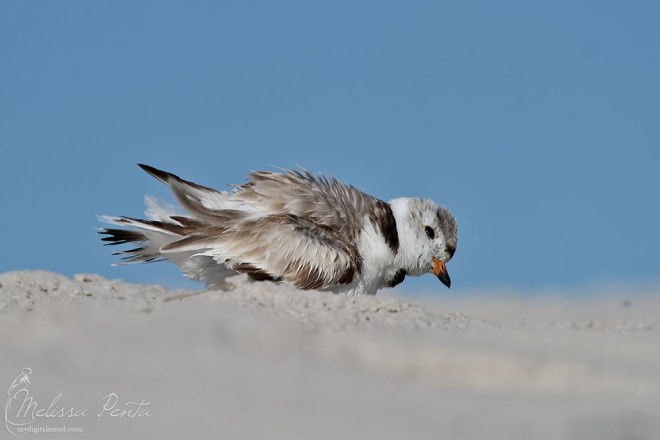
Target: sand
x,y
268,361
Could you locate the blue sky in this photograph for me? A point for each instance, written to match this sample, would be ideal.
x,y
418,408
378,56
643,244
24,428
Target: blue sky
x,y
538,124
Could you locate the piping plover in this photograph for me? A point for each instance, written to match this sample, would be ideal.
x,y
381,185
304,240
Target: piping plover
x,y
292,227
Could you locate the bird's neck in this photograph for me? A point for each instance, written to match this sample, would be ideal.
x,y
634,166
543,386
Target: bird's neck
x,y
406,259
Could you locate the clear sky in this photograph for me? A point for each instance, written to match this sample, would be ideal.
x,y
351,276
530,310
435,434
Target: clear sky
x,y
537,123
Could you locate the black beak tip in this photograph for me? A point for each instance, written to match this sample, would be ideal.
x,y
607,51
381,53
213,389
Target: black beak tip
x,y
444,278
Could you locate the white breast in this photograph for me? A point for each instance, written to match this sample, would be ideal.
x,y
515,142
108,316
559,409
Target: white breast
x,y
378,261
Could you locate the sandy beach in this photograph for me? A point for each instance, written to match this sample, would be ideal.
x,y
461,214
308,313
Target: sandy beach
x,y
268,361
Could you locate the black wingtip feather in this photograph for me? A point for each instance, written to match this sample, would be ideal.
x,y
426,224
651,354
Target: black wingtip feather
x,y
158,174
121,236
167,178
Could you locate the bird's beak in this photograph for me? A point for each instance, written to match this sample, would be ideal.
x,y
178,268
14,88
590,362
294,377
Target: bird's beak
x,y
440,271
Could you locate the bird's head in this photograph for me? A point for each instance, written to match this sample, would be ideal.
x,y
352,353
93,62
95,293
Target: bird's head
x,y
427,237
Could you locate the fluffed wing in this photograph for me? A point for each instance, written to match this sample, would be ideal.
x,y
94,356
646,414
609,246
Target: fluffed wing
x,y
282,248
291,227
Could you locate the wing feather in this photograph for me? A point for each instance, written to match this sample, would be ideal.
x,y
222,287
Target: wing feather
x,y
282,248
324,200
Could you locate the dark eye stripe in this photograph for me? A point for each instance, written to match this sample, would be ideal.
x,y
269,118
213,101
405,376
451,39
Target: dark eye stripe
x,y
430,232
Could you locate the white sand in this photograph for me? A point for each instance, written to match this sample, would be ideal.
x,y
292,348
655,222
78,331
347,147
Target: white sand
x,y
265,361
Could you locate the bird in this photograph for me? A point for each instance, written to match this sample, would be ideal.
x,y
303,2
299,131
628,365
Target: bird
x,y
18,388
293,227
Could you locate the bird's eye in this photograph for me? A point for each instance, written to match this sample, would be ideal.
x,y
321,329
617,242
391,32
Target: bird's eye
x,y
430,232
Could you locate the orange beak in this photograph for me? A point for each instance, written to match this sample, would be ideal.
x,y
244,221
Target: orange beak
x,y
440,271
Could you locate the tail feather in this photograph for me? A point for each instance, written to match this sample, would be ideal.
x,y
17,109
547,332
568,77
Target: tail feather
x,y
121,236
170,235
152,236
